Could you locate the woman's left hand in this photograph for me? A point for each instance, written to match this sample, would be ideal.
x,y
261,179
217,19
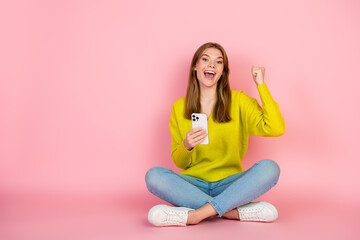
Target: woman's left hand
x,y
258,74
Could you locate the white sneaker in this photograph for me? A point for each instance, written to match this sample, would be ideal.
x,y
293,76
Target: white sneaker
x,y
257,211
163,215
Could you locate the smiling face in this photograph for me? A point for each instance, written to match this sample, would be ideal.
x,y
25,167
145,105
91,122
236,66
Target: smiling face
x,y
209,67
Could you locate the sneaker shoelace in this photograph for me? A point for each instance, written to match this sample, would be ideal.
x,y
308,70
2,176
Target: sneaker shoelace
x,y
251,214
174,217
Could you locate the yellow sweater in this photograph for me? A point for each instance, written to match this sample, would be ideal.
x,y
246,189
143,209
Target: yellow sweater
x,y
228,142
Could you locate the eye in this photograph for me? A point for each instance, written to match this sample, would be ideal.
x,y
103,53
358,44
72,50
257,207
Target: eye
x,y
205,59
219,62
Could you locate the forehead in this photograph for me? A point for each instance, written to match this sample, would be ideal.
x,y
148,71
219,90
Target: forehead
x,y
213,52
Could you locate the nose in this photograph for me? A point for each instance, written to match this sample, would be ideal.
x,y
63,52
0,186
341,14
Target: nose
x,y
211,64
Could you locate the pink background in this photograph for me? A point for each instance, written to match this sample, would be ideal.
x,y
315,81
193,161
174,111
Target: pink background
x,y
86,89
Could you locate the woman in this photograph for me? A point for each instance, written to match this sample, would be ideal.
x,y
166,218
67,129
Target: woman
x,y
212,181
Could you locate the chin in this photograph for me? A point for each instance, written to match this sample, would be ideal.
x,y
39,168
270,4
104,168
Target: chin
x,y
209,85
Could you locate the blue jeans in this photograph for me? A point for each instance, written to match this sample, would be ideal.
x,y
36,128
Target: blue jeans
x,y
224,195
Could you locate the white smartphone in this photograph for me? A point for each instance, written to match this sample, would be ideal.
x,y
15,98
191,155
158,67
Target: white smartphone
x,y
200,120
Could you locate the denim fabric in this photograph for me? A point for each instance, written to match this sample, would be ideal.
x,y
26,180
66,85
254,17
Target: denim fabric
x,y
224,195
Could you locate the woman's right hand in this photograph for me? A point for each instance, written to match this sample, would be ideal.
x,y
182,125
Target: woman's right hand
x,y
194,137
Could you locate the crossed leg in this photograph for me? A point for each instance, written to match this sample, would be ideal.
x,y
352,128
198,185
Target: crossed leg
x,y
191,192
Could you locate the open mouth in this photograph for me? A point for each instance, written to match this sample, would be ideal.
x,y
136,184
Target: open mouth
x,y
209,74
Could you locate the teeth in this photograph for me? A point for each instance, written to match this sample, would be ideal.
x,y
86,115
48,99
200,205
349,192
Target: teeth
x,y
210,72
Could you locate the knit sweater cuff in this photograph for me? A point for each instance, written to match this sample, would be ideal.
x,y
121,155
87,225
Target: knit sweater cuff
x,y
265,94
183,154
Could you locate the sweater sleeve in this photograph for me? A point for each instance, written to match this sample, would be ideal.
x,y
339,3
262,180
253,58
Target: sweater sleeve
x,y
179,154
266,120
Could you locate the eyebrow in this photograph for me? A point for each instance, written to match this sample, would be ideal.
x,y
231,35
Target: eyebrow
x,y
209,56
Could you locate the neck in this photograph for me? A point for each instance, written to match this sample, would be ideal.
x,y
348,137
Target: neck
x,y
207,94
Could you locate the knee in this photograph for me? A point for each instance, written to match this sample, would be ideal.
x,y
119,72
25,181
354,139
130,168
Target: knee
x,y
154,176
270,169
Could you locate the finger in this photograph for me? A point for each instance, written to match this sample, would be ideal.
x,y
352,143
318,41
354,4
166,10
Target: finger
x,y
194,130
198,134
196,141
194,135
198,131
199,141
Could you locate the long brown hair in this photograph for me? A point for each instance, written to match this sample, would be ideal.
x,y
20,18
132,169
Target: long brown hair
x,y
221,112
